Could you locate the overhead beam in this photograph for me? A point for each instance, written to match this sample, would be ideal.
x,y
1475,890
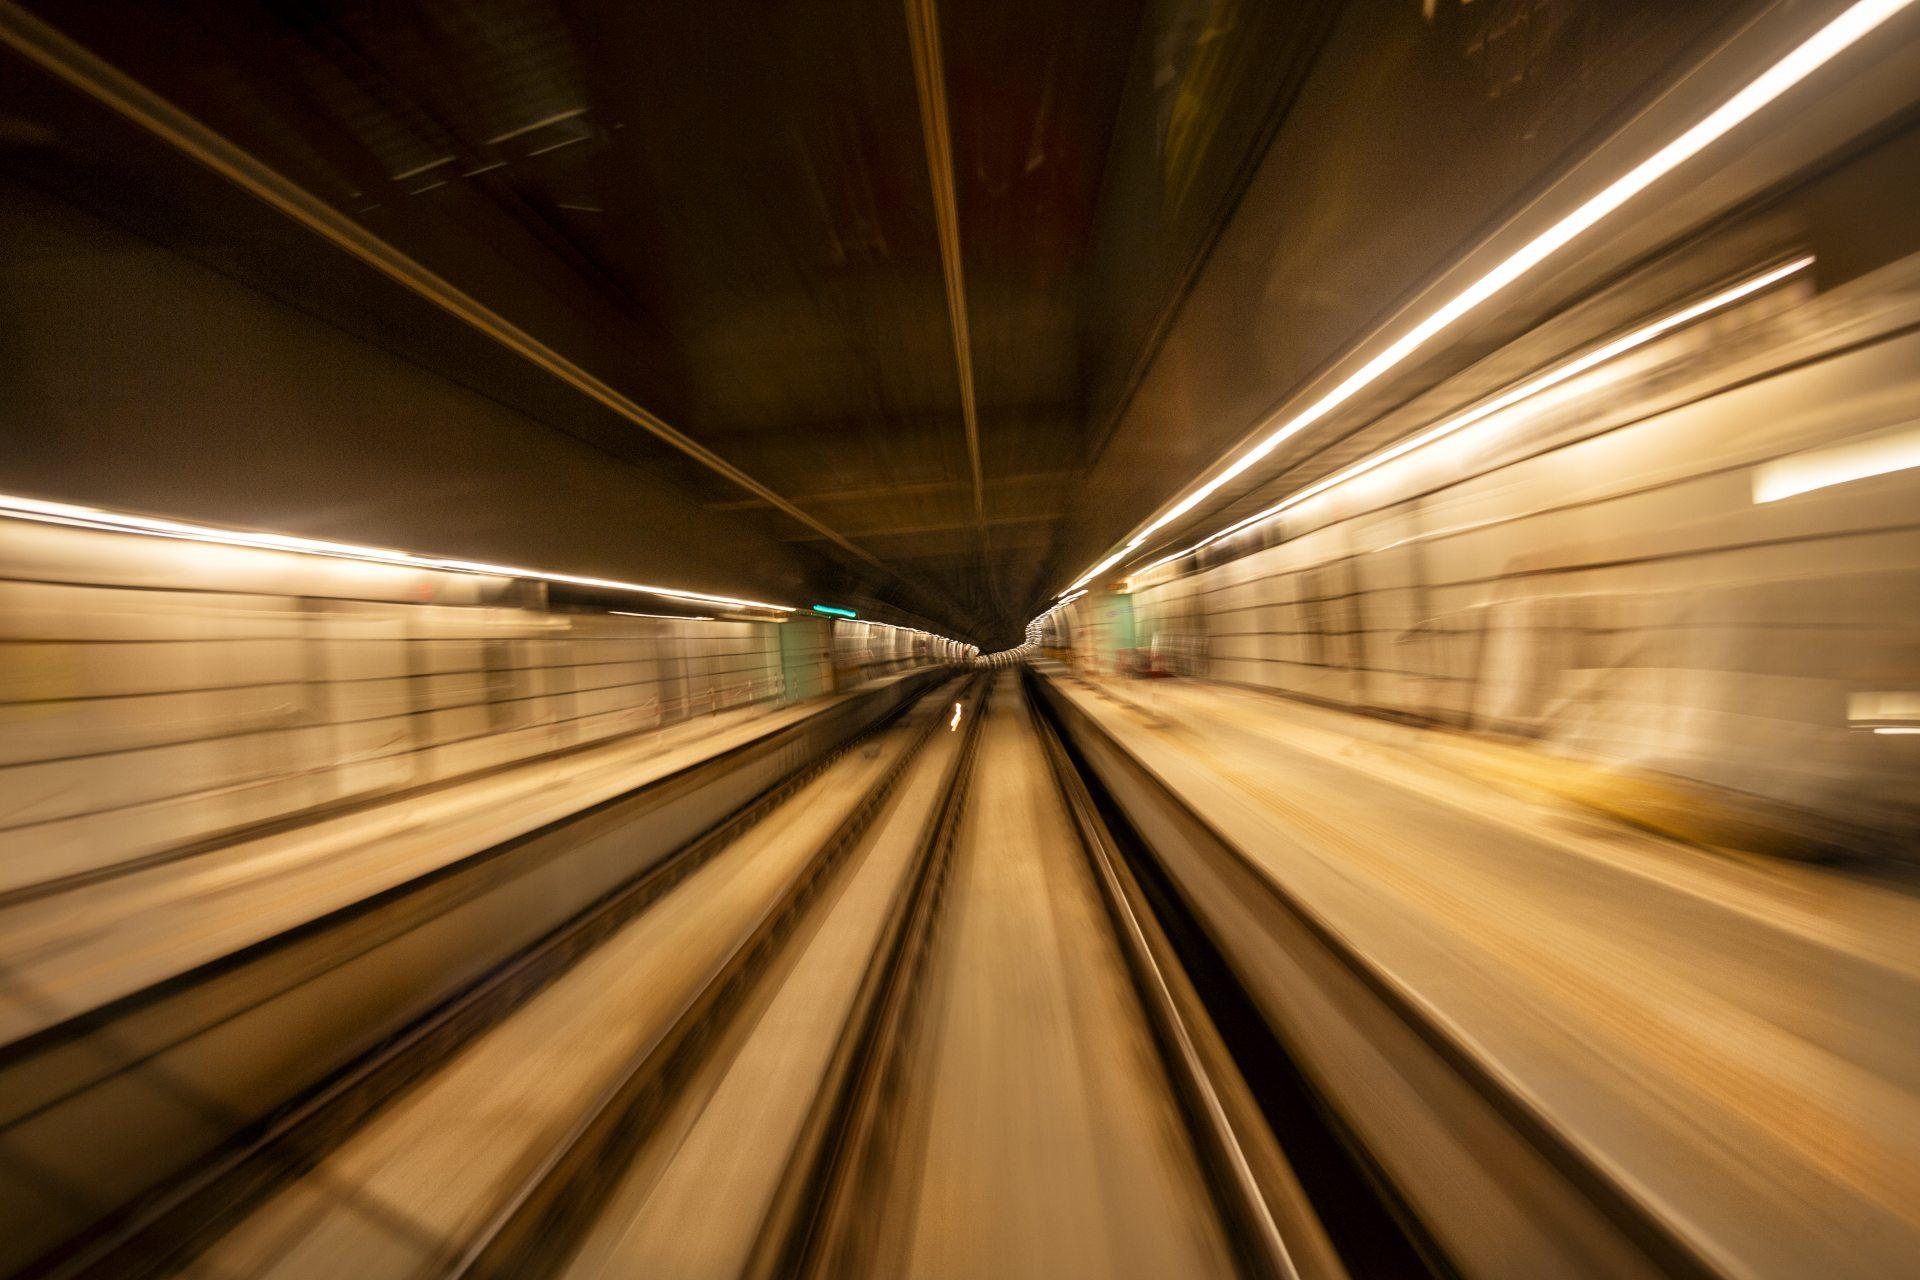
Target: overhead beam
x,y
1021,549
930,82
878,493
993,522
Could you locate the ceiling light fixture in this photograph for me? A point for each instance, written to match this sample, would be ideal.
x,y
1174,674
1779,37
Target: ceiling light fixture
x,y
1853,23
664,617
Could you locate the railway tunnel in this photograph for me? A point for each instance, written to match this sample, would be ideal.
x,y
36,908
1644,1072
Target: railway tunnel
x,y
1172,638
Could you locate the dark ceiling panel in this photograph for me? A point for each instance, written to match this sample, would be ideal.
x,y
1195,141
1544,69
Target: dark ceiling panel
x,y
724,210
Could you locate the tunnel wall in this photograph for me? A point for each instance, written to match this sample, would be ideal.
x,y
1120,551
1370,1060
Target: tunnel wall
x,y
865,651
157,694
1604,580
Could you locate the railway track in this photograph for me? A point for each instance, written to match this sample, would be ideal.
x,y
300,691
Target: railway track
x,y
164,1232
537,1226
866,1198
912,1011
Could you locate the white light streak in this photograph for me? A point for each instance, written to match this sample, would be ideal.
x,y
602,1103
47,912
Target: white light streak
x,y
1104,565
667,617
1509,399
1853,23
955,722
38,511
1882,453
66,513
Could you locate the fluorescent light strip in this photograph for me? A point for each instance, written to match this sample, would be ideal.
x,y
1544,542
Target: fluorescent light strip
x,y
71,514
1506,400
665,617
1816,51
64,513
1106,564
609,584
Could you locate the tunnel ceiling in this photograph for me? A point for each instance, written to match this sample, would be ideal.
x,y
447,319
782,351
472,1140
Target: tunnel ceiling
x,y
731,214
773,228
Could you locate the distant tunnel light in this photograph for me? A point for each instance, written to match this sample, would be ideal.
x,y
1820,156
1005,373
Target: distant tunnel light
x,y
835,611
1853,23
1879,454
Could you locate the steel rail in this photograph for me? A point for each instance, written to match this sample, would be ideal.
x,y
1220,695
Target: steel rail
x,y
1252,1183
536,1225
1659,1239
810,1225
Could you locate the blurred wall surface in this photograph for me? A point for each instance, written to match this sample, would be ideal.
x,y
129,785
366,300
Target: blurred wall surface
x,y
1627,575
156,694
